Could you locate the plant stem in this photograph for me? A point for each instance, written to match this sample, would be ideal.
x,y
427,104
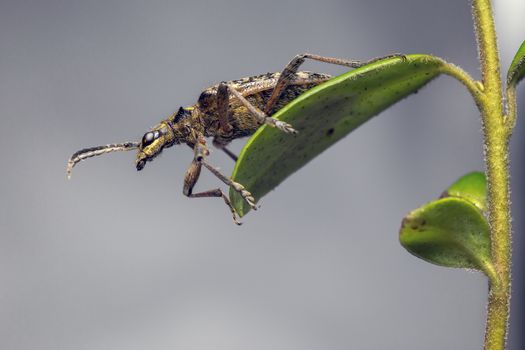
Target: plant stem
x,y
463,77
511,108
496,138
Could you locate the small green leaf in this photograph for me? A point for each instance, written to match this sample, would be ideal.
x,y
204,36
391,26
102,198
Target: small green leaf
x,y
449,232
472,187
324,115
517,67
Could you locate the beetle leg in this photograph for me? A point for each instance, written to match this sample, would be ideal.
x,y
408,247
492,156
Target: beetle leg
x,y
246,195
191,178
201,152
218,193
262,117
288,73
223,148
193,173
223,100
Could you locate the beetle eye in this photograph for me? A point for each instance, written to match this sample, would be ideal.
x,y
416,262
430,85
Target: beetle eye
x,y
148,139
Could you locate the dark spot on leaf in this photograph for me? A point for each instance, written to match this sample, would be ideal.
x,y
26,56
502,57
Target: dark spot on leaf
x,y
330,132
404,222
444,194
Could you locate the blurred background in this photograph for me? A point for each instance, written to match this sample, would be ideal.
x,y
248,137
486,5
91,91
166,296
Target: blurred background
x,y
116,259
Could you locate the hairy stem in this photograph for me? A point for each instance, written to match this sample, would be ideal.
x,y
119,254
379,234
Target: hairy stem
x,y
496,138
511,108
474,87
464,78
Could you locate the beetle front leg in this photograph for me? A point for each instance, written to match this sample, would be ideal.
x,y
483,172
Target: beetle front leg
x,y
201,152
193,173
190,180
245,194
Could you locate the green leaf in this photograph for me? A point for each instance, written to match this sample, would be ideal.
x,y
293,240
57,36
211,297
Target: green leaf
x,y
472,187
449,232
517,67
324,115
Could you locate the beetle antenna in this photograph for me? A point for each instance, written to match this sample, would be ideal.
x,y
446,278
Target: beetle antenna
x,y
85,153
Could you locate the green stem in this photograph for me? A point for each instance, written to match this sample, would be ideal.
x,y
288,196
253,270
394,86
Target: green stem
x,y
496,138
464,78
474,87
511,108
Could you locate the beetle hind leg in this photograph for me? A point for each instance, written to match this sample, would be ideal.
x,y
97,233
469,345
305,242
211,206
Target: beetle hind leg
x,y
288,73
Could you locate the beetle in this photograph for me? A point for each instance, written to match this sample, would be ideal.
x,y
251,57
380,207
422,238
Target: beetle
x,y
226,111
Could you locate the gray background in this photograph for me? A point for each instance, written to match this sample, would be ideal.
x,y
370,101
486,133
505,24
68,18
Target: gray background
x,y
116,259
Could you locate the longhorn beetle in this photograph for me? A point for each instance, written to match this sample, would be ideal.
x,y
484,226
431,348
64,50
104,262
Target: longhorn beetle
x,y
226,111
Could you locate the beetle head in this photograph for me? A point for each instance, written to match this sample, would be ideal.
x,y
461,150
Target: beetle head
x,y
153,142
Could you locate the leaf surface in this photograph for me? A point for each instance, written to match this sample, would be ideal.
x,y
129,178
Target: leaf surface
x,y
472,187
449,232
324,115
517,67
